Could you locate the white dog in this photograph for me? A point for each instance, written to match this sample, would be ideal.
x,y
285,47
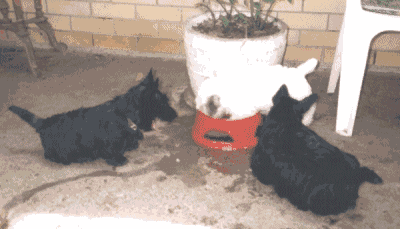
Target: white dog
x,y
239,93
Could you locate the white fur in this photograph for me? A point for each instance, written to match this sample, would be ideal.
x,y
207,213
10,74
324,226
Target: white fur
x,y
243,93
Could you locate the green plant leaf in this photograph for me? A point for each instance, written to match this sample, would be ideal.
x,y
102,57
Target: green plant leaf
x,y
257,5
225,21
384,2
241,16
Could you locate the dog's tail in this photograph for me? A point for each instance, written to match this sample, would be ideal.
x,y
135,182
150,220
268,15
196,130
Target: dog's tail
x,y
27,116
366,174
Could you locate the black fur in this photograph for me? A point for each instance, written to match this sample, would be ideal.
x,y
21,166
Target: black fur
x,y
105,131
311,173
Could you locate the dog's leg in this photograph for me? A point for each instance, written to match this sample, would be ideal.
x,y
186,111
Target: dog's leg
x,y
53,155
55,158
146,125
114,153
308,116
117,160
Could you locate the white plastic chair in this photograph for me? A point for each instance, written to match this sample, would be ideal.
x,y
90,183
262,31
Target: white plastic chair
x,y
358,29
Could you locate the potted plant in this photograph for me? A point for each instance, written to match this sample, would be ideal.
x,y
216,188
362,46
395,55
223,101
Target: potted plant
x,y
382,6
215,41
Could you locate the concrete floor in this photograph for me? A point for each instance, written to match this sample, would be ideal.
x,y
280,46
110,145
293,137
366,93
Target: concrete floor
x,y
169,178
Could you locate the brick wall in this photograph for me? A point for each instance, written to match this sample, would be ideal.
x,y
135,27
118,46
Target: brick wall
x,y
156,26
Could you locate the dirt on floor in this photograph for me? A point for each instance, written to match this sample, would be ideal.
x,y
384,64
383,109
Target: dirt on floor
x,y
29,183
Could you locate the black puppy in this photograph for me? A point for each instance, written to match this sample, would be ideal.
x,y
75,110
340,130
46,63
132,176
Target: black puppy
x,y
304,168
106,131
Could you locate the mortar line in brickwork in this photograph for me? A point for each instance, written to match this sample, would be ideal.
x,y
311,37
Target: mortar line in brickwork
x,y
327,23
113,24
91,9
45,8
136,13
158,28
301,12
70,22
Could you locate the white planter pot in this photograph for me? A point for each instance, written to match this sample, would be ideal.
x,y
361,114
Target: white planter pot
x,y
206,56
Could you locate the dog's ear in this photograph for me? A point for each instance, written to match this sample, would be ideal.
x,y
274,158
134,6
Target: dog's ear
x,y
157,83
306,103
282,92
149,78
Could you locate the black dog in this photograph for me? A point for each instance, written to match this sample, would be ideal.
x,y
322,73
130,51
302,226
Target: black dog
x,y
304,168
106,131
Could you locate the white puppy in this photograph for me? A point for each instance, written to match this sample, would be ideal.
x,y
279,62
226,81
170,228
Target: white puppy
x,y
240,93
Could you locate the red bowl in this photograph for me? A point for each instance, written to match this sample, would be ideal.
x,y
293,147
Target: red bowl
x,y
242,132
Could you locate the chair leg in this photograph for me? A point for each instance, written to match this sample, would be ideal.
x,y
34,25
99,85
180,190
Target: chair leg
x,y
48,29
30,52
23,34
354,59
337,63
